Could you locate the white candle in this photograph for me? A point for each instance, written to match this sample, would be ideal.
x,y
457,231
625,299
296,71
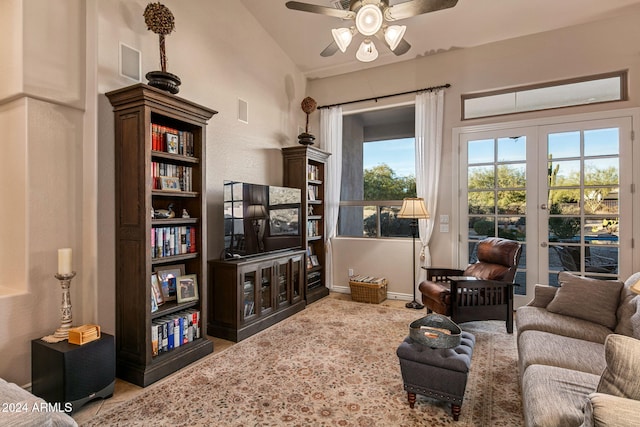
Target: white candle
x,y
64,261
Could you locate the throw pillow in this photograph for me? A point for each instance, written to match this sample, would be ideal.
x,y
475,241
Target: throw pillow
x,y
543,295
588,299
627,307
622,355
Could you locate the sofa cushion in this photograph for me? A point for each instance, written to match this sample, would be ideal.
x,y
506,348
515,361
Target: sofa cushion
x,y
605,410
589,299
543,348
627,308
553,396
539,319
622,355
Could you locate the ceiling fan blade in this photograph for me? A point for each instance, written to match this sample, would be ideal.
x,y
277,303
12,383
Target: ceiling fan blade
x,y
329,11
402,48
329,50
416,7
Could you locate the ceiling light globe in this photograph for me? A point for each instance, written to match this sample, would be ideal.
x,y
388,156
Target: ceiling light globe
x,y
369,19
367,51
342,37
393,35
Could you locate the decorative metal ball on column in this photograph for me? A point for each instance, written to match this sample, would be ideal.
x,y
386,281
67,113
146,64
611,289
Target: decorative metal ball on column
x,y
159,19
308,106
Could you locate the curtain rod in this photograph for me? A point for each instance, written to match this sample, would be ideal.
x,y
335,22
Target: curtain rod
x,y
375,98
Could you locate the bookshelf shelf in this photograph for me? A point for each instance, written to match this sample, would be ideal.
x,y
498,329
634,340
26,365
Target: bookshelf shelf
x,y
158,135
305,168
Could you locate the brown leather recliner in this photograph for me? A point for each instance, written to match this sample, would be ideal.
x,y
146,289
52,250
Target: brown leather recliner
x,y
482,291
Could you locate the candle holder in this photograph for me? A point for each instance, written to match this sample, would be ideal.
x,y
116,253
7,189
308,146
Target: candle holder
x,y
62,332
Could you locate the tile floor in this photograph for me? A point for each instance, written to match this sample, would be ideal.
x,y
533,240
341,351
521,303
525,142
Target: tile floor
x,y
125,391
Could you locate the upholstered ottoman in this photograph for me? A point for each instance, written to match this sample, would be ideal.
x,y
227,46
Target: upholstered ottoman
x,y
440,373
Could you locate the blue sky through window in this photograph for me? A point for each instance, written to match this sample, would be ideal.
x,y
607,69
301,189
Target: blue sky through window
x,y
398,154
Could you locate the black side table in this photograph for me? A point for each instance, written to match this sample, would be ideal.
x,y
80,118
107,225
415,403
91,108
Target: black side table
x,y
76,374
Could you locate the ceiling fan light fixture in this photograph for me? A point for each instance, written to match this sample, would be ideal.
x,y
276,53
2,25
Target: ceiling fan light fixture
x,y
369,19
393,35
342,37
367,51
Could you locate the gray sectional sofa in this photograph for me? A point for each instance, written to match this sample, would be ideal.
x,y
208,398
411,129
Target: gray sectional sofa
x,y
579,354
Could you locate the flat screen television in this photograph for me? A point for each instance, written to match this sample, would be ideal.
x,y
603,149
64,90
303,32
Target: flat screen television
x,y
259,219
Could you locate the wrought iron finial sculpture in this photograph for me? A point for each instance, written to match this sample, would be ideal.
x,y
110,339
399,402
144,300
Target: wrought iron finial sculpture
x,y
308,106
159,19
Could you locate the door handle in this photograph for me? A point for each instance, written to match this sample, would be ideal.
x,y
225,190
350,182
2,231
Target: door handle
x,y
543,206
544,244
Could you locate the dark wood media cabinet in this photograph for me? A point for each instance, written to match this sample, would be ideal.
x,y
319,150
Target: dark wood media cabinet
x,y
250,294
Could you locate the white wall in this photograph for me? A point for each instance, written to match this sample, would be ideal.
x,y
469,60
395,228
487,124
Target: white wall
x,y
578,51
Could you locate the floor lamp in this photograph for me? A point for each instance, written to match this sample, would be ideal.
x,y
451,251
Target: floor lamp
x,y
414,208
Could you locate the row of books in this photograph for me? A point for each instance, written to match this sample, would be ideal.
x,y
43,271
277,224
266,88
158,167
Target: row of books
x,y
313,192
170,140
174,330
313,228
183,177
313,172
171,241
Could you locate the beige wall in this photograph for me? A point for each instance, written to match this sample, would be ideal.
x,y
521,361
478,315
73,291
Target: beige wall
x,y
583,50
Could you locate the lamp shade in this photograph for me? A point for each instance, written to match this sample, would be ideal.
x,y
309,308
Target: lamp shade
x,y
369,19
367,51
635,288
413,207
256,212
342,37
393,35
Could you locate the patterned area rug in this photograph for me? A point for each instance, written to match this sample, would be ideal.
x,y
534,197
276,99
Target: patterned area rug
x,y
333,364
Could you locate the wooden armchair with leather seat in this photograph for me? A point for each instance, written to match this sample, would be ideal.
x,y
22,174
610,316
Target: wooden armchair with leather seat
x,y
482,291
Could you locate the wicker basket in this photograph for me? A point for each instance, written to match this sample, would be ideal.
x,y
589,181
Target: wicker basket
x,y
373,293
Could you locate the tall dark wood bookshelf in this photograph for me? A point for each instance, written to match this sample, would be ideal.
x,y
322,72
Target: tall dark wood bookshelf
x,y
138,109
305,168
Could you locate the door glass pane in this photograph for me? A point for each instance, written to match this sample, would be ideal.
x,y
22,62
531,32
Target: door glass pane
x,y
600,142
481,202
512,202
512,228
282,283
265,288
563,145
601,200
512,175
511,149
481,177
248,293
481,151
295,277
481,227
601,171
564,173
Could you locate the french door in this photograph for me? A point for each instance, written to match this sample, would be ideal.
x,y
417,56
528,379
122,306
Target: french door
x,y
563,190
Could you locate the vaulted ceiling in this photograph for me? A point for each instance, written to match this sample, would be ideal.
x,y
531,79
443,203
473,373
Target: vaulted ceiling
x,y
303,35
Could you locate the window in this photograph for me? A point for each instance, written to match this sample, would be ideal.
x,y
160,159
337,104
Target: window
x,y
581,91
378,172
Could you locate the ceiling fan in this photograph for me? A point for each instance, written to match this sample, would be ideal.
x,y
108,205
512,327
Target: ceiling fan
x,y
370,19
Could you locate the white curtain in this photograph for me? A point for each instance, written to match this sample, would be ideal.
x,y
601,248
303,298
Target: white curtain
x,y
331,137
429,124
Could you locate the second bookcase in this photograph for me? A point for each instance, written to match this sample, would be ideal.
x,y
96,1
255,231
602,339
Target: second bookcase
x,y
305,168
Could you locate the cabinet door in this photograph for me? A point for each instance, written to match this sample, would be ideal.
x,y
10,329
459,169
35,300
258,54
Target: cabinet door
x,y
266,288
297,278
249,286
282,283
